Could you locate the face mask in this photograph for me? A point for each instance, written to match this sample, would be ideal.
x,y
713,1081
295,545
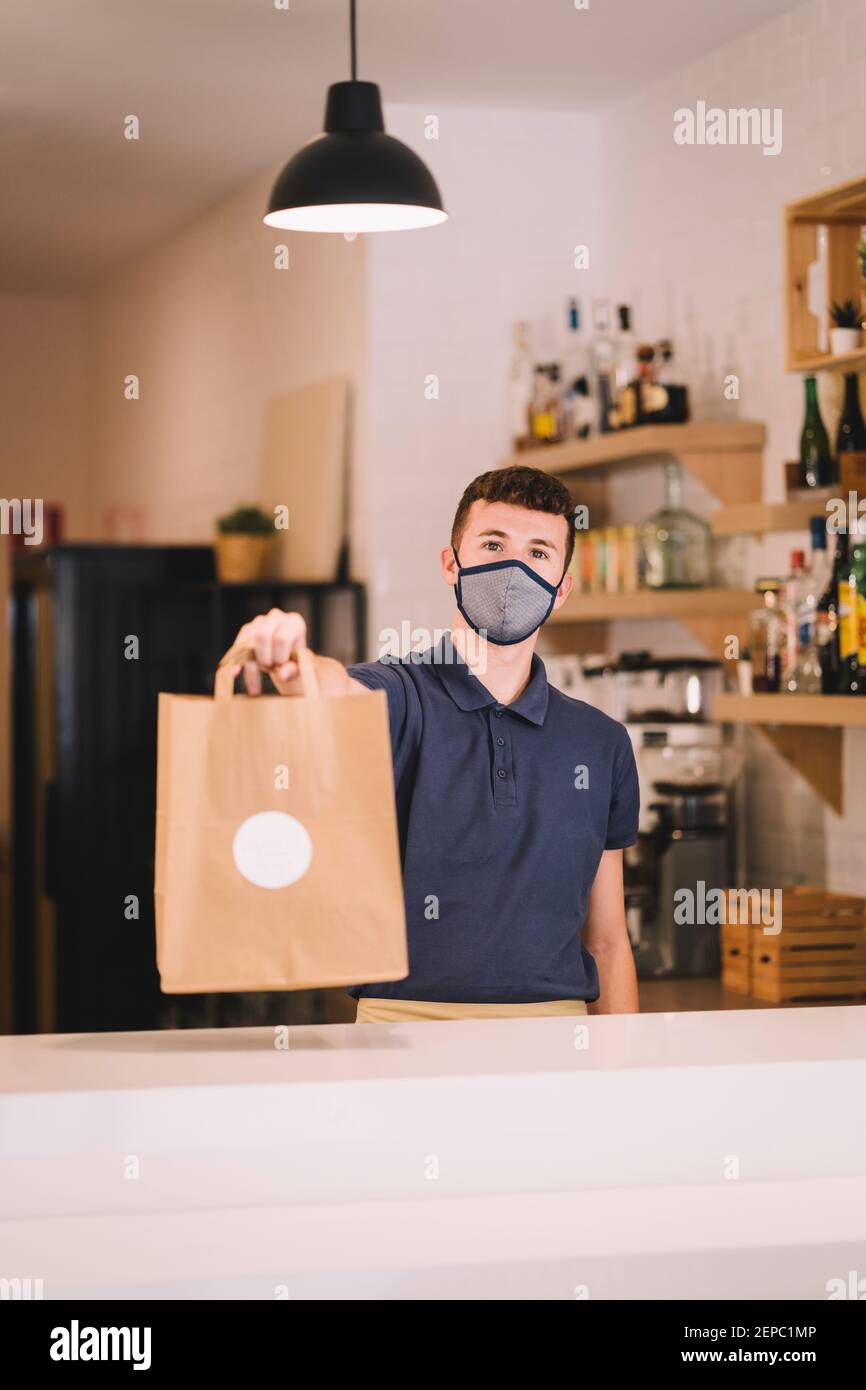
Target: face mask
x,y
505,601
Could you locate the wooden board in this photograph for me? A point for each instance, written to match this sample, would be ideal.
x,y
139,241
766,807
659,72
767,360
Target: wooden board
x,y
304,466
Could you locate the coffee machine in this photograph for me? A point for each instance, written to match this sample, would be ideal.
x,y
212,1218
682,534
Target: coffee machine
x,y
689,782
689,769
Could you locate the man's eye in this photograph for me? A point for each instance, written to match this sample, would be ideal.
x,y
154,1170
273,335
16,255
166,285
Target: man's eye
x,y
540,555
492,545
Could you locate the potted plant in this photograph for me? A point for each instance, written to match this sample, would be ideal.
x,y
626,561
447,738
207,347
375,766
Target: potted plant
x,y
845,336
243,541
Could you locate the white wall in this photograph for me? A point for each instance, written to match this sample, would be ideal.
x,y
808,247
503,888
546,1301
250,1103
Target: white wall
x,y
521,188
214,331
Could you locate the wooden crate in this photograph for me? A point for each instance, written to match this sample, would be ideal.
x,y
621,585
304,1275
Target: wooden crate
x,y
736,957
820,952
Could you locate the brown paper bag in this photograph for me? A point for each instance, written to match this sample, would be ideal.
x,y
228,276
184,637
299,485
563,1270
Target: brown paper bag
x,y
277,860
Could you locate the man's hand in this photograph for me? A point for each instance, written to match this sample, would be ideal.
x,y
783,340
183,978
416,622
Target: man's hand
x,y
277,637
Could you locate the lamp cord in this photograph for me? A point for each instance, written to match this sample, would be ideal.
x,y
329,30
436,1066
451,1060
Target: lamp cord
x,y
353,38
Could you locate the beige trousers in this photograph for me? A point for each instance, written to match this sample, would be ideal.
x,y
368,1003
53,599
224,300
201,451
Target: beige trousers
x,y
423,1011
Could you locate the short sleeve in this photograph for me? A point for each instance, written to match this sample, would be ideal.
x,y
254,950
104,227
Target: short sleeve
x,y
403,718
622,820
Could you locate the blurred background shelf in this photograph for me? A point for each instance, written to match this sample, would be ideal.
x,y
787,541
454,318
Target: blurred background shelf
x,y
655,603
725,455
820,711
807,730
756,518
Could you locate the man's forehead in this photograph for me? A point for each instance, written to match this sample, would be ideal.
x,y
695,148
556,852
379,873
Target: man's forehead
x,y
511,517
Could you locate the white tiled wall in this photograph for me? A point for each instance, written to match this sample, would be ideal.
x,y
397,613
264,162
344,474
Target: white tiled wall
x,y
693,238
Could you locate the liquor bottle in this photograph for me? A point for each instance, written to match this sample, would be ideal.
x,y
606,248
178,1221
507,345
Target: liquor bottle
x,y
852,615
575,361
603,356
820,564
578,409
635,402
817,465
767,639
670,398
675,544
625,363
827,619
521,385
802,675
790,597
545,409
851,433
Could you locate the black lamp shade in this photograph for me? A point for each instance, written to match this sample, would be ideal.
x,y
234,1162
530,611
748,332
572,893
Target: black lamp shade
x,y
354,177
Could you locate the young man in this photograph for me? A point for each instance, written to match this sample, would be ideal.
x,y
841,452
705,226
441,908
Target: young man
x,y
514,802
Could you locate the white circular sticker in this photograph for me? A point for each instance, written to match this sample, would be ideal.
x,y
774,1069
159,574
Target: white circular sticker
x,y
272,849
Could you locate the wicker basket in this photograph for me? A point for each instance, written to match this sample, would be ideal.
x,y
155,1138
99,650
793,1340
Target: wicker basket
x,y
242,559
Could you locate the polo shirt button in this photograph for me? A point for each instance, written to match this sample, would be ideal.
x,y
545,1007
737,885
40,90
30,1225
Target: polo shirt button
x,y
498,713
500,741
502,772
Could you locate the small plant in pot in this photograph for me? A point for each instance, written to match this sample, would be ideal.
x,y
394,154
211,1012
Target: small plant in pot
x,y
243,543
845,333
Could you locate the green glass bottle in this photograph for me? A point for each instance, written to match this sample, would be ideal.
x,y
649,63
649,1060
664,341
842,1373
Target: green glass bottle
x,y
851,434
817,464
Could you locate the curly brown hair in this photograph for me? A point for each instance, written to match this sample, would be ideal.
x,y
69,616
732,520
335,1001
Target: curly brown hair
x,y
520,486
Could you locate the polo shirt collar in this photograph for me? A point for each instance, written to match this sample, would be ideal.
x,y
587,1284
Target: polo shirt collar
x,y
468,693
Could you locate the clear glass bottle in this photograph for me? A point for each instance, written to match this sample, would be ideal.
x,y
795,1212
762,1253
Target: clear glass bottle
x,y
790,599
805,673
802,673
675,544
767,639
603,355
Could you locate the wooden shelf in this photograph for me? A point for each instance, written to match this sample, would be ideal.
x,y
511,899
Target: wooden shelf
x,y
656,603
755,518
805,729
629,447
842,210
817,711
844,202
712,616
826,362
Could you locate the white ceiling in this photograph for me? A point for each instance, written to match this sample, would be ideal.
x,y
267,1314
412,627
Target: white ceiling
x,y
227,88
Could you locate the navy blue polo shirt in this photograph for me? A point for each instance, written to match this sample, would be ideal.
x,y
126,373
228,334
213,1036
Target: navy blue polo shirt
x,y
504,812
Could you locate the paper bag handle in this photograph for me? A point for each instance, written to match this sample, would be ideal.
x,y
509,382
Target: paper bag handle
x,y
224,681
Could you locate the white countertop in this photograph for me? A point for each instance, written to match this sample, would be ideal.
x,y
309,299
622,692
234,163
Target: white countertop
x,y
441,1159
378,1052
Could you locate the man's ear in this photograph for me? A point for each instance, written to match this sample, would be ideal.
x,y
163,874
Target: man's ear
x,y
448,563
563,592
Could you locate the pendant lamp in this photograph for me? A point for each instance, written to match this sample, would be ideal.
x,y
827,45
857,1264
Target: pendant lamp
x,y
354,177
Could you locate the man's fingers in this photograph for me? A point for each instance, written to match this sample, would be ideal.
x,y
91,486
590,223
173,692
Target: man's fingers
x,y
252,678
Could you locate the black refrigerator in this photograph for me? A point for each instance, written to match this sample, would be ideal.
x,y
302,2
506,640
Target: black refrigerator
x,y
97,632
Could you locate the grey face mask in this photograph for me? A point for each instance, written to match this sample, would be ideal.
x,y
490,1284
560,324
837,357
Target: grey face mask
x,y
504,601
